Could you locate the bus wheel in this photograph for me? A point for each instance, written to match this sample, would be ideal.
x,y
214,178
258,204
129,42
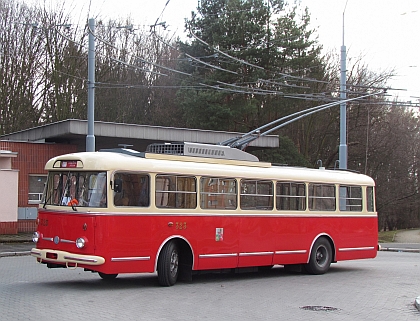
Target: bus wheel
x,y
105,276
168,264
321,257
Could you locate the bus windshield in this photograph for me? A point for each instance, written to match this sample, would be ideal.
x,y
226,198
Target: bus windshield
x,y
76,188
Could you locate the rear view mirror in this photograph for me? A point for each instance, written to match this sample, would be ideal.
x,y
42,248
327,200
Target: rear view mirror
x,y
118,185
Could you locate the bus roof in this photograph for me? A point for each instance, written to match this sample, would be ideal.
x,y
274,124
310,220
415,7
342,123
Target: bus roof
x,y
200,166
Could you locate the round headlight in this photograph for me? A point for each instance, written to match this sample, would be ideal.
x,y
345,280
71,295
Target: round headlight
x,y
35,237
80,242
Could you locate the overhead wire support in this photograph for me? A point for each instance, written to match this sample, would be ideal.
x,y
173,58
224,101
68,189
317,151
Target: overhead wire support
x,y
90,138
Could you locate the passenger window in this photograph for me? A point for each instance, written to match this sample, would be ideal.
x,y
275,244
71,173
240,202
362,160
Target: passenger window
x,y
174,191
135,190
256,194
321,197
350,198
370,199
218,193
291,196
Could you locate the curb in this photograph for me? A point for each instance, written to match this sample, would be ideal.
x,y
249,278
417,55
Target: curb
x,y
394,249
15,239
8,254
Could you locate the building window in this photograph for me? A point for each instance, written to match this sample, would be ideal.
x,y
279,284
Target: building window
x,y
36,188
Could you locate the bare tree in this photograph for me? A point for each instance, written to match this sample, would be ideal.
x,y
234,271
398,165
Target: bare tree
x,y
20,60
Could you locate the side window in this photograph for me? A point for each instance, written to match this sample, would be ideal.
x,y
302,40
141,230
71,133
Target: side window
x,y
135,189
350,198
370,199
291,196
256,194
174,191
218,193
321,197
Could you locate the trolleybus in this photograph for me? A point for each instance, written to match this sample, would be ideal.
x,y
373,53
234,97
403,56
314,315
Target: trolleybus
x,y
180,208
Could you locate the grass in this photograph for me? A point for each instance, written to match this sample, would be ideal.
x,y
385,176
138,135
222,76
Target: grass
x,y
386,237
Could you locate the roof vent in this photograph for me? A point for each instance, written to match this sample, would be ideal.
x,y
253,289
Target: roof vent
x,y
201,150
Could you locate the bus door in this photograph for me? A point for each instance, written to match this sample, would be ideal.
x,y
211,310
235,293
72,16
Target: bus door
x,y
256,236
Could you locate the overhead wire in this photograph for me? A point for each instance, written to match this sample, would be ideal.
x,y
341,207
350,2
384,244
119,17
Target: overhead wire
x,y
237,89
142,59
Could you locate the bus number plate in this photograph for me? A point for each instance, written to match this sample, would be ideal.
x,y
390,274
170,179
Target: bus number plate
x,y
180,225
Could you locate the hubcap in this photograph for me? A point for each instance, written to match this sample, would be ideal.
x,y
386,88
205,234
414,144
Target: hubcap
x,y
321,256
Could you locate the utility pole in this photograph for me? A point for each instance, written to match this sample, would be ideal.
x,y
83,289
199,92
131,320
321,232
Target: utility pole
x,y
342,152
90,138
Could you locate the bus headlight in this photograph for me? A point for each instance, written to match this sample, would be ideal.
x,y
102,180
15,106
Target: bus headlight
x,y
35,237
80,243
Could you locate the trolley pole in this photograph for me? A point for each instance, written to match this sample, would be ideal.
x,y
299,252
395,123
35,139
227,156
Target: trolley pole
x,y
90,138
342,152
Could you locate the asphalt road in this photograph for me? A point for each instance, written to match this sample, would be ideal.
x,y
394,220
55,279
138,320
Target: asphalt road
x,y
384,288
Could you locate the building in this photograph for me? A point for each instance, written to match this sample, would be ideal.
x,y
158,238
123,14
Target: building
x,y
24,154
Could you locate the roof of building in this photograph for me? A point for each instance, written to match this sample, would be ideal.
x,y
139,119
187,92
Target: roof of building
x,y
138,137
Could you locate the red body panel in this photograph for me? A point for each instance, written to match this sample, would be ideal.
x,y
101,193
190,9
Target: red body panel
x,y
216,241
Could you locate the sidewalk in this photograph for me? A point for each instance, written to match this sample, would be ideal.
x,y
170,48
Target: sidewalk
x,y
16,245
16,238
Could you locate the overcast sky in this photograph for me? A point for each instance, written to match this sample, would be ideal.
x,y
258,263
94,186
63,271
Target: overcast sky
x,y
384,32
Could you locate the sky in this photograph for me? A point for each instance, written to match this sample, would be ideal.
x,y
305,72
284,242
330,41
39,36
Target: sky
x,y
385,33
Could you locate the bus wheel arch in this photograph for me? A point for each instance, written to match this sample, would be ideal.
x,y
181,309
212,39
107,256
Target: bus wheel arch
x,y
174,261
321,255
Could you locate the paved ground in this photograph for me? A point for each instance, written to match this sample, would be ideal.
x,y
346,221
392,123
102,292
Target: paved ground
x,y
379,286
408,236
380,289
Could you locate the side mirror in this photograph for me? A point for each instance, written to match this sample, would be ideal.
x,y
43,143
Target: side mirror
x,y
118,185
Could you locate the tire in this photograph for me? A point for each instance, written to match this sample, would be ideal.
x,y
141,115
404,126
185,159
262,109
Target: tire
x,y
105,276
321,257
168,264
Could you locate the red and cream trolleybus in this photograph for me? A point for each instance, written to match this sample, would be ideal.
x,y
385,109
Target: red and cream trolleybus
x,y
179,208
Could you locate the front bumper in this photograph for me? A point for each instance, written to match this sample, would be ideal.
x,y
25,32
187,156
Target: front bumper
x,y
62,257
